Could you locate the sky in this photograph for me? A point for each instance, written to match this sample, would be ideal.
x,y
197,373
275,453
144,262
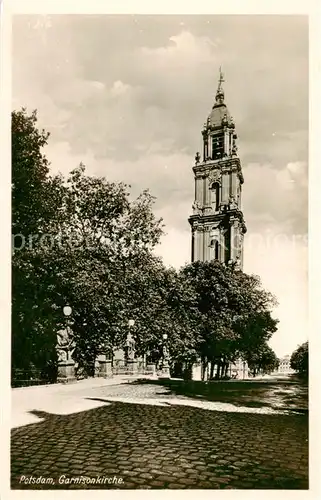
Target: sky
x,y
128,95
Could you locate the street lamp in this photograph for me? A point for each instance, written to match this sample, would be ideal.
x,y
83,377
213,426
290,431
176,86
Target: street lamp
x,y
67,310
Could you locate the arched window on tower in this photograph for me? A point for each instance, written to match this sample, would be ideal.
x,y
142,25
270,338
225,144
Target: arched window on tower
x,y
216,248
218,146
215,196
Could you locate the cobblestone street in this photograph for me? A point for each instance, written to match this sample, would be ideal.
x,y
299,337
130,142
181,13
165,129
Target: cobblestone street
x,y
143,436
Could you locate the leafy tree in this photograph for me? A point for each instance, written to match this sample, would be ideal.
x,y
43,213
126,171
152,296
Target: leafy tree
x,y
300,359
103,239
158,304
35,198
262,360
85,240
235,313
34,202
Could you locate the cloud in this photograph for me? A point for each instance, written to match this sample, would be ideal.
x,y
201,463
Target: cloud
x,y
278,197
119,88
183,51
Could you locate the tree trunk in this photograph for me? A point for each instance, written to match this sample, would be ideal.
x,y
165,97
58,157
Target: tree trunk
x,y
203,369
218,369
212,370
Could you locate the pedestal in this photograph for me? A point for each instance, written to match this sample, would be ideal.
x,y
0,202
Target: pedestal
x,y
66,372
151,369
165,373
132,366
103,367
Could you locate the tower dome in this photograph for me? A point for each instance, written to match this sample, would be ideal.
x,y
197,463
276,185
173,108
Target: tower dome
x,y
220,115
219,129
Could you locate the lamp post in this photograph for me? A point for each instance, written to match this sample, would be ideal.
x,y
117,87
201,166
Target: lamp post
x,y
65,348
165,373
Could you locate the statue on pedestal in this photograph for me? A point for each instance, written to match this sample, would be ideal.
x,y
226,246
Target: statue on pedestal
x,y
238,261
65,345
65,348
196,207
130,343
232,203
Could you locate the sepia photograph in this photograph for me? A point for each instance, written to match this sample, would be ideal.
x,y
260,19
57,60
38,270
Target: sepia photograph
x,y
159,252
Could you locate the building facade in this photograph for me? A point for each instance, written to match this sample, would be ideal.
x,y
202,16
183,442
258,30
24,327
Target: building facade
x,y
217,222
285,365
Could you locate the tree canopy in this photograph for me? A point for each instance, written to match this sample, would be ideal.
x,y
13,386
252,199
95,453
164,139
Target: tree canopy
x,y
233,312
299,360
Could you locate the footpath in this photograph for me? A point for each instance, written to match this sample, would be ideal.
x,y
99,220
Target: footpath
x,y
61,399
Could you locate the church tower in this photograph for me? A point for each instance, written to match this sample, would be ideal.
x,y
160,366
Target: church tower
x,y
217,222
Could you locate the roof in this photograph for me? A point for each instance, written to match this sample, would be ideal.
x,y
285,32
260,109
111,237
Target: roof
x,y
217,114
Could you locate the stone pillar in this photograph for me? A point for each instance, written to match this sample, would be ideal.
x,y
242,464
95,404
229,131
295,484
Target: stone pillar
x,y
132,366
103,366
151,369
233,185
225,188
205,245
242,249
201,255
199,190
233,253
209,146
207,192
204,182
66,371
196,245
226,141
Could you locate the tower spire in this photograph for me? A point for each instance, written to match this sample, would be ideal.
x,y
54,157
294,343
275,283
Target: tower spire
x,y
220,92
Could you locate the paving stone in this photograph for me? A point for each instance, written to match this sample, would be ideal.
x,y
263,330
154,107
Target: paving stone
x,y
139,480
165,478
175,486
187,481
156,484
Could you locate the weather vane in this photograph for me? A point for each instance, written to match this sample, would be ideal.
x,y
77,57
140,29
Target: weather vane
x,y
221,79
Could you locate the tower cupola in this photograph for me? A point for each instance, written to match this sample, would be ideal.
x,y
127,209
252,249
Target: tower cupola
x,y
218,131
